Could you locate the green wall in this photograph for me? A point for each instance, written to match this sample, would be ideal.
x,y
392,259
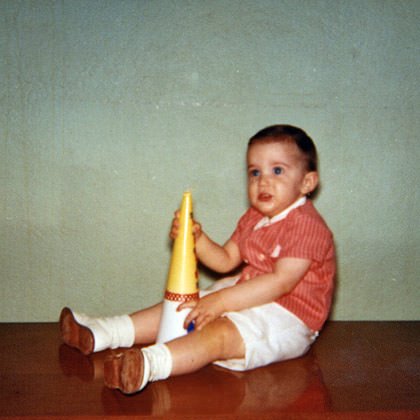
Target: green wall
x,y
111,109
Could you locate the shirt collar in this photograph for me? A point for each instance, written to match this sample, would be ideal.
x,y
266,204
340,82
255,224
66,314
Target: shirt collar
x,y
266,221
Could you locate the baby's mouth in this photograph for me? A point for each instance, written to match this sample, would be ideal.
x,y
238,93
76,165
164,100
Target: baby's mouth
x,y
264,197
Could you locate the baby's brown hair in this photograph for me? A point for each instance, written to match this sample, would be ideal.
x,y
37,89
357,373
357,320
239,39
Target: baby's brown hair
x,y
289,133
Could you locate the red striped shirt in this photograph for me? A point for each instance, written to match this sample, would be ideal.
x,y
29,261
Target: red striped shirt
x,y
302,234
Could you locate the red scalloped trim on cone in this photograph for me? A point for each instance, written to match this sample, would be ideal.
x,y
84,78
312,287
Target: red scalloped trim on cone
x,y
181,297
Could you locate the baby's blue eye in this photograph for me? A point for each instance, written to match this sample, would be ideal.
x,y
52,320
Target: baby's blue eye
x,y
255,172
277,171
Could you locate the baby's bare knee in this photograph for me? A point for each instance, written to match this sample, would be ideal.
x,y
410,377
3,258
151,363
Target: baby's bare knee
x,y
226,338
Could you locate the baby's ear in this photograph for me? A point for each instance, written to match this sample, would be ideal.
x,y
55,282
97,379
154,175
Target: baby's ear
x,y
310,182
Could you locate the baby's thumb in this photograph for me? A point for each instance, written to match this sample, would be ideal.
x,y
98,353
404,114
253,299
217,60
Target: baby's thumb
x,y
186,305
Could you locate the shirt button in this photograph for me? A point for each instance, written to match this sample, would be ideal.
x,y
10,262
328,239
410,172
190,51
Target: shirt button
x,y
261,257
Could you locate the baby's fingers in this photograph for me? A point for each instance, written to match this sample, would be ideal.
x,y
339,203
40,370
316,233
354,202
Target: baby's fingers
x,y
199,319
175,226
186,305
197,229
202,320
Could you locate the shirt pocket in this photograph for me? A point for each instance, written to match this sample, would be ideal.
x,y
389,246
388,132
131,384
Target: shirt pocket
x,y
276,252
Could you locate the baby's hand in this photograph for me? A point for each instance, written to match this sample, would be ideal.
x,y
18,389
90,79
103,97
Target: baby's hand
x,y
203,311
175,227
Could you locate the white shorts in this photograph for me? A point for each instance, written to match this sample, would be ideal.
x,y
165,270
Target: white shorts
x,y
270,332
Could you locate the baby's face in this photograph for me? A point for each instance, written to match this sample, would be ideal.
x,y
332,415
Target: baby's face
x,y
277,176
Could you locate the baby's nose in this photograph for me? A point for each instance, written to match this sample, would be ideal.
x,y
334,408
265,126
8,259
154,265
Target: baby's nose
x,y
264,179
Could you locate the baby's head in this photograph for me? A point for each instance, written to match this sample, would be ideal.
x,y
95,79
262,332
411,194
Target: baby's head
x,y
282,168
289,134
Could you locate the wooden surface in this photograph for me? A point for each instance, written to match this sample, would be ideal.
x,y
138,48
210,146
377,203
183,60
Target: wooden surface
x,y
356,370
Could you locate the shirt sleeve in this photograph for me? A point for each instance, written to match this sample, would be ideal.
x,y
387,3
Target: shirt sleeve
x,y
236,235
245,223
308,238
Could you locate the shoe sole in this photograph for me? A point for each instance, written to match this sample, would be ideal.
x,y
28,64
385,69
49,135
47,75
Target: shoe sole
x,y
74,334
125,371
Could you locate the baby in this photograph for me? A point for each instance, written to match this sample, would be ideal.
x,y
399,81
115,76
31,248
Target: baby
x,y
271,312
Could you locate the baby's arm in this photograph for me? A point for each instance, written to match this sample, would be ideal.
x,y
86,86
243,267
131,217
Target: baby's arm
x,y
214,256
219,258
257,291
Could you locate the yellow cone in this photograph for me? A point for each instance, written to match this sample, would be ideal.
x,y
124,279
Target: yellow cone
x,y
182,284
183,278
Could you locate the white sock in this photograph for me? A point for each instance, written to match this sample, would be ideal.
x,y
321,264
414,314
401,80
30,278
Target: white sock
x,y
112,332
158,363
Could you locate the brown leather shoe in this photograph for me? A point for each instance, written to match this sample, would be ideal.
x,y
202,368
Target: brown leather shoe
x,y
75,334
125,371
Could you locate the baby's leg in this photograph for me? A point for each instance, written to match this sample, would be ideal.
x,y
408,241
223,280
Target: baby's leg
x,y
90,334
146,324
219,340
131,371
